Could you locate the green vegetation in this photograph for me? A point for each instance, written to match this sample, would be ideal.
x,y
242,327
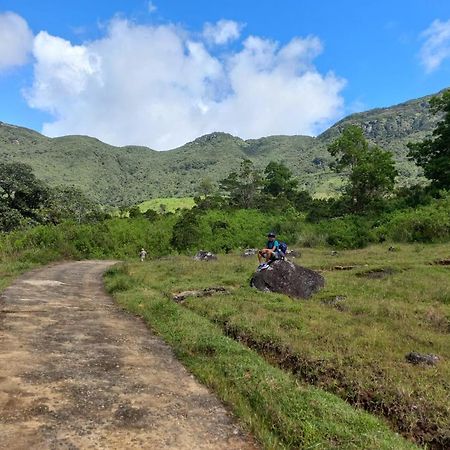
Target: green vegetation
x,y
27,201
170,204
129,175
283,410
433,154
371,170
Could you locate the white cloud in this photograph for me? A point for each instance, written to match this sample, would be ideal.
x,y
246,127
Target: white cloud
x,y
222,32
157,86
436,47
16,40
151,7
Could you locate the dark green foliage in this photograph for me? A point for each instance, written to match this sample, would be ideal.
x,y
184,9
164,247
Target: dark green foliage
x,y
348,232
151,215
371,171
134,212
279,180
186,232
25,200
302,201
433,154
21,191
10,219
70,203
243,187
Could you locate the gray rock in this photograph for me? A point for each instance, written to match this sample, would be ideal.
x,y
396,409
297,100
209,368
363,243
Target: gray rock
x,y
205,256
419,358
287,278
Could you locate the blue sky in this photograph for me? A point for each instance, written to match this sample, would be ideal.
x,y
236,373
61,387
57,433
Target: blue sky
x,y
379,52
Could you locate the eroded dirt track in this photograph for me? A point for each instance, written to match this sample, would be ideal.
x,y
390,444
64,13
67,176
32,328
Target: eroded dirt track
x,y
78,373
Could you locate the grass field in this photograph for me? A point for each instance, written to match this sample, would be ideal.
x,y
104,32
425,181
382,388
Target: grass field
x,y
349,342
171,204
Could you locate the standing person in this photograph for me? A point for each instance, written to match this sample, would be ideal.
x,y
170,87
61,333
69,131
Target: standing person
x,y
268,252
142,254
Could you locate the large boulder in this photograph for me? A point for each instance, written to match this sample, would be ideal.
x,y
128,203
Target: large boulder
x,y
287,278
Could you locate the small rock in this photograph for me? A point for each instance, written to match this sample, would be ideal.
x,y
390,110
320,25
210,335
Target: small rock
x,y
442,262
336,301
334,253
250,252
205,256
419,358
344,267
392,249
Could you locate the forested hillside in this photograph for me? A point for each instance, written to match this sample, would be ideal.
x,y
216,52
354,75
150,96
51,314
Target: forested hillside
x,y
126,175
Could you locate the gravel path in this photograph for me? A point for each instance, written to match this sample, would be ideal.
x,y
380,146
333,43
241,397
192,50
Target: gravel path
x,y
78,373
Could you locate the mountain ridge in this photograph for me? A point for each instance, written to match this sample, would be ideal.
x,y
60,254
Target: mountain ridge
x,y
129,174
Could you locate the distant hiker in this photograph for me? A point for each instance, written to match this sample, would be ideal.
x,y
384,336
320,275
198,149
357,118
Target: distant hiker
x,y
142,254
270,250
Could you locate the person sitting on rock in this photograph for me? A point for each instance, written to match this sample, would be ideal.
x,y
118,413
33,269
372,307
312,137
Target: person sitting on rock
x,y
269,252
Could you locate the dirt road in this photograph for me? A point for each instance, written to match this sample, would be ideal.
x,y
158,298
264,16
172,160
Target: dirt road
x,y
78,373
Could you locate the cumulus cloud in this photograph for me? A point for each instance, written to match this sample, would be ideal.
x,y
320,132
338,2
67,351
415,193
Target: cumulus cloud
x,y
16,40
222,32
436,47
161,87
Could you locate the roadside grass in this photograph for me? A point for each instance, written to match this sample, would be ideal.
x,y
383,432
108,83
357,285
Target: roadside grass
x,y
354,350
171,204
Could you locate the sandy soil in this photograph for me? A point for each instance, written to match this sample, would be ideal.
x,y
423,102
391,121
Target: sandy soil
x,y
76,372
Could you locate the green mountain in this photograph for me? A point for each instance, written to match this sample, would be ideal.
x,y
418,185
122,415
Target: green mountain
x,y
126,175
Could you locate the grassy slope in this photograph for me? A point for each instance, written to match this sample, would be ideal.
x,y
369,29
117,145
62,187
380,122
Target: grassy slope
x,y
132,174
283,412
170,204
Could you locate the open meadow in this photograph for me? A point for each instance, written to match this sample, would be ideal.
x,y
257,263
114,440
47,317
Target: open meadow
x,y
349,340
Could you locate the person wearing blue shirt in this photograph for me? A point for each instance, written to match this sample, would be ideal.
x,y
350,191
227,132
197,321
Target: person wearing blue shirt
x,y
271,247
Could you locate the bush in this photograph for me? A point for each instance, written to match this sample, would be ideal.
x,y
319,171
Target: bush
x,y
223,231
349,232
430,223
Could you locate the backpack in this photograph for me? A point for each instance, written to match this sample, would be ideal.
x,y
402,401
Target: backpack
x,y
282,248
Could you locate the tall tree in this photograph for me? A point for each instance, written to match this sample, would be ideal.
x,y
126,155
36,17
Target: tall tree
x,y
279,180
21,190
433,154
71,203
244,186
371,170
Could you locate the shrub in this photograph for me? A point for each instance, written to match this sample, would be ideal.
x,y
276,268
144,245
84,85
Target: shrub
x,y
430,223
